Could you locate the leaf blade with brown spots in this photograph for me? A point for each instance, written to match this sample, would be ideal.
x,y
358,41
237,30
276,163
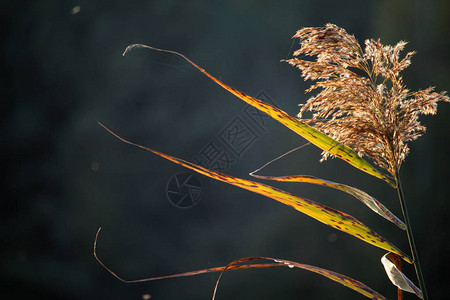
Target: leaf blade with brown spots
x,y
309,133
320,212
337,277
362,196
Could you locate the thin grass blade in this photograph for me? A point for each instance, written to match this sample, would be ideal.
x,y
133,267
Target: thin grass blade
x,y
184,274
307,132
321,213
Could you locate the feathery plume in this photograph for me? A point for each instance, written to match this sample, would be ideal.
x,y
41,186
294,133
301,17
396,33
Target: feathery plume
x,y
362,102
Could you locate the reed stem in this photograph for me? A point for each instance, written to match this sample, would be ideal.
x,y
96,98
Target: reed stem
x,y
412,244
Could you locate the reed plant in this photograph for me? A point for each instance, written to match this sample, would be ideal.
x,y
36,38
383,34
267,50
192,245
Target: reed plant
x,y
361,109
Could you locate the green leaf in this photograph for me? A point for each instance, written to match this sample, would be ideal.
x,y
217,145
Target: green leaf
x,y
321,213
307,132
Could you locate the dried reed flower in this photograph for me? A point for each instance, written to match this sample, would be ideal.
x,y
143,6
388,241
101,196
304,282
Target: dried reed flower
x,y
363,102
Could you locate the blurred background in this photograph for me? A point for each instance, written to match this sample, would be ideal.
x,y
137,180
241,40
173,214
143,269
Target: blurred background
x,y
64,175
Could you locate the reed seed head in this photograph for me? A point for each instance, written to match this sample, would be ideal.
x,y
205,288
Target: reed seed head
x,y
362,101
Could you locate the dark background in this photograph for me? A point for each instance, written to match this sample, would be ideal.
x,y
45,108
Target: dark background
x,y
64,176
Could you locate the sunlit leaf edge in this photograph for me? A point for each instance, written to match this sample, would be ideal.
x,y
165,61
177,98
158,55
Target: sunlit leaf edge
x,y
362,196
320,212
309,133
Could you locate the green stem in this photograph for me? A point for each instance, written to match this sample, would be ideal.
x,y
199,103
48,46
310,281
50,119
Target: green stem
x,y
411,239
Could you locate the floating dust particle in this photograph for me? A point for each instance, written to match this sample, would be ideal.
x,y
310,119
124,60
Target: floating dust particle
x,y
95,166
75,10
332,237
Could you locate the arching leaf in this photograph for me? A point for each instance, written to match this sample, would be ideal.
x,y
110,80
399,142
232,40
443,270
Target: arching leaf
x,y
237,265
307,132
339,278
365,198
321,213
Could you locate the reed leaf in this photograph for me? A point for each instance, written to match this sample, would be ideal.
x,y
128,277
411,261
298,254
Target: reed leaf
x,y
337,277
320,212
237,265
362,196
307,132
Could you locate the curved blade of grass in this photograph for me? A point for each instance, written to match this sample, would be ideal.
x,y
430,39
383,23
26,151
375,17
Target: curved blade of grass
x,y
339,278
321,213
342,279
362,196
397,277
307,132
